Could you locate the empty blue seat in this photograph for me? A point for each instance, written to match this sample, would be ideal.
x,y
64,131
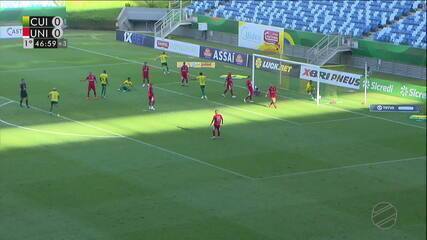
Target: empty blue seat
x,y
347,16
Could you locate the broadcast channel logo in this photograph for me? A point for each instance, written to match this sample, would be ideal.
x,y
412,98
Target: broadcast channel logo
x,y
384,215
393,108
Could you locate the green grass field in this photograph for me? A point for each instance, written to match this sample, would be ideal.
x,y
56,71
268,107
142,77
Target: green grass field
x,y
110,169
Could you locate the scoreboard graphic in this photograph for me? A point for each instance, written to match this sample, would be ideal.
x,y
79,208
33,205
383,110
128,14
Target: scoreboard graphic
x,y
43,32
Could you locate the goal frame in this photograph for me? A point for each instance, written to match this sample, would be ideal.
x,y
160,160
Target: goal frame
x,y
290,62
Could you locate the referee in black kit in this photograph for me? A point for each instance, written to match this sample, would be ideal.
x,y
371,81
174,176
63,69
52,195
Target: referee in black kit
x,y
24,93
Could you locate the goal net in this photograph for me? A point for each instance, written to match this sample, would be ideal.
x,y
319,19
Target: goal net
x,y
291,78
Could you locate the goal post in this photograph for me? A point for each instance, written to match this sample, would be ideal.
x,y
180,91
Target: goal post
x,y
283,73
330,86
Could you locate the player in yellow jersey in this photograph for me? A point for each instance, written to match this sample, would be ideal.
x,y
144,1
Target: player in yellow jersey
x,y
126,85
54,98
309,88
164,62
202,82
103,78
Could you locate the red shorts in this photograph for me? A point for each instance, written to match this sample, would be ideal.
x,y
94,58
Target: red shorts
x,y
145,76
229,85
151,98
91,86
216,127
184,76
251,92
273,98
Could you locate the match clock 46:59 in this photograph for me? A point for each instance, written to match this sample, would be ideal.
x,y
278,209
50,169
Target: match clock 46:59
x,y
45,43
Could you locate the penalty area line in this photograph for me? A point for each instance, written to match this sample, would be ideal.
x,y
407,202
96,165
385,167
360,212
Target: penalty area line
x,y
322,170
147,144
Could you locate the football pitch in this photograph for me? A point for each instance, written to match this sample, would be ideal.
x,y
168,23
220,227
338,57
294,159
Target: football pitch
x,y
111,169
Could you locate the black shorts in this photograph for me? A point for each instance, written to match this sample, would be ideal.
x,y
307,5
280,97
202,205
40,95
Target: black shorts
x,y
53,102
24,94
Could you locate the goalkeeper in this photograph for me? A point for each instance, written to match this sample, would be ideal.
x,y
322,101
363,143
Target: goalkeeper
x,y
311,90
126,85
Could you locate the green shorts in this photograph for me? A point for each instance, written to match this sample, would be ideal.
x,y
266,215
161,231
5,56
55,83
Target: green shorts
x,y
165,64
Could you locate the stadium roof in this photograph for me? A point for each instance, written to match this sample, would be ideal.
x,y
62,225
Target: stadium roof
x,y
144,14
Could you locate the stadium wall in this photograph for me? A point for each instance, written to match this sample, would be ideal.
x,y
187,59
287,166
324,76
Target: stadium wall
x,y
219,24
210,36
366,48
390,52
403,90
381,58
376,64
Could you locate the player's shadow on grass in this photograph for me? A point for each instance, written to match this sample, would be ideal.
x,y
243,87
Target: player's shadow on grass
x,y
183,128
259,104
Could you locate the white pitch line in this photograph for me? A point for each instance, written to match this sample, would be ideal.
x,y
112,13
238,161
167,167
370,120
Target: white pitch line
x,y
146,144
229,106
55,132
63,67
341,168
334,120
182,94
6,103
334,107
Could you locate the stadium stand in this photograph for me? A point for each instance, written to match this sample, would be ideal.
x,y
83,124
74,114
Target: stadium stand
x,y
410,31
351,18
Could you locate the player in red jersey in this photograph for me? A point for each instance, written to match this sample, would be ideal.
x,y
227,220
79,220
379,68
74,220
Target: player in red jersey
x,y
145,74
250,91
151,98
229,85
184,74
272,94
217,121
91,79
